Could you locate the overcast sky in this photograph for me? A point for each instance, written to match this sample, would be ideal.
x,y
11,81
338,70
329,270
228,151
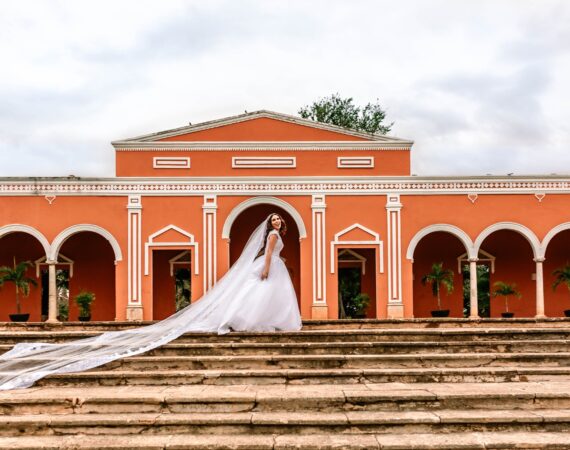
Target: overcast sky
x,y
480,86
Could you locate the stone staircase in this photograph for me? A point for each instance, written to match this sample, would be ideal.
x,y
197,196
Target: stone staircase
x,y
418,384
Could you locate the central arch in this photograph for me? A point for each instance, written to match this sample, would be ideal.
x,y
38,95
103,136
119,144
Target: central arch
x,y
264,201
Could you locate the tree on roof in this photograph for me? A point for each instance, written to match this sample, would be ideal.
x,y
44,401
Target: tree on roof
x,y
344,113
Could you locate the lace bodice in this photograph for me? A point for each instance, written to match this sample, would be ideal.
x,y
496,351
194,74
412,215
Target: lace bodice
x,y
278,245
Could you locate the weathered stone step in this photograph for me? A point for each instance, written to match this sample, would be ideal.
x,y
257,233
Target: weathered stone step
x,y
284,422
308,336
299,376
307,362
465,441
393,397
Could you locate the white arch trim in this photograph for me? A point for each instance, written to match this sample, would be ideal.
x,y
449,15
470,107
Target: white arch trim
x,y
446,228
263,201
19,228
513,226
68,232
550,235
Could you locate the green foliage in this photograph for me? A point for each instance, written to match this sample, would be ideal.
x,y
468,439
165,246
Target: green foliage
x,y
17,275
83,301
505,290
352,303
439,276
344,113
183,288
62,311
562,275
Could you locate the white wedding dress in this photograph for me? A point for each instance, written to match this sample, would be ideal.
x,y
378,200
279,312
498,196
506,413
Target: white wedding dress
x,y
239,301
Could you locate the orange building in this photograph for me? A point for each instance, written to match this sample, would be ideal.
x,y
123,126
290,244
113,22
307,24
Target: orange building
x,y
188,199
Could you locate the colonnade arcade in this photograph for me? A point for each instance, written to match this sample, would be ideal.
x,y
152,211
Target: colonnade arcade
x,y
512,253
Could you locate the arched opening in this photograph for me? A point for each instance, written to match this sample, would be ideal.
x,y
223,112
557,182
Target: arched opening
x,y
93,270
433,248
20,246
250,218
556,258
514,265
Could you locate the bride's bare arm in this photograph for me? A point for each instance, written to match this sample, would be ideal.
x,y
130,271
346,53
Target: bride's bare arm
x,y
268,253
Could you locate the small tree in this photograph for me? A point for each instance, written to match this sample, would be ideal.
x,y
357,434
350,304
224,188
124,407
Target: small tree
x,y
562,275
344,113
17,275
83,301
505,290
437,277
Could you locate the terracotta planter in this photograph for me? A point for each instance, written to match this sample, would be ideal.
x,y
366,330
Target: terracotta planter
x,y
567,312
19,317
507,315
440,313
84,318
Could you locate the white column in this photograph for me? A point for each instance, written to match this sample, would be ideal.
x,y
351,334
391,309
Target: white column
x,y
209,209
395,302
473,298
134,305
539,289
52,293
318,206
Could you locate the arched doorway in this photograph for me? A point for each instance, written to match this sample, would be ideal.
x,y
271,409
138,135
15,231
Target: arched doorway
x,y
21,246
438,247
94,270
556,258
250,218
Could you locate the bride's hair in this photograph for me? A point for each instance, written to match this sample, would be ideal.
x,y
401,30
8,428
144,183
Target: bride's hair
x,y
268,228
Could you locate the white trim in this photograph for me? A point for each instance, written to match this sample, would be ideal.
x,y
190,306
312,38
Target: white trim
x,y
68,232
20,228
521,229
237,210
394,231
209,225
176,261
355,162
273,146
65,262
134,247
446,228
357,258
374,242
264,162
171,162
550,235
487,257
190,243
318,217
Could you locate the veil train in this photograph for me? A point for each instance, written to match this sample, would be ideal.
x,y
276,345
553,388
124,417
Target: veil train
x,y
26,363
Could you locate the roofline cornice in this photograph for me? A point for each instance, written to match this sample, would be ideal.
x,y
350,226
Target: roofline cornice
x,y
122,146
256,115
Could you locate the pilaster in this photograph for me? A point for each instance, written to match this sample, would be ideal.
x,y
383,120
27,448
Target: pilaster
x,y
395,302
134,290
209,209
320,307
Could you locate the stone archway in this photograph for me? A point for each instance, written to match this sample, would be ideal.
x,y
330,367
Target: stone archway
x,y
249,218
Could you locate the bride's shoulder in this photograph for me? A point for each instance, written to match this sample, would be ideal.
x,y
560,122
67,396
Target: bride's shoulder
x,y
273,232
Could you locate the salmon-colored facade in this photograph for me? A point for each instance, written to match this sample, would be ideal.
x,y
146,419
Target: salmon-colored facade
x,y
190,197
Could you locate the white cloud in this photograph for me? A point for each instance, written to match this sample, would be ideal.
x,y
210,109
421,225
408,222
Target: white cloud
x,y
479,85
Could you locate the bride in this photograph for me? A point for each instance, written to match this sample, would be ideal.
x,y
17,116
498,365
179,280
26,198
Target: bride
x,y
256,294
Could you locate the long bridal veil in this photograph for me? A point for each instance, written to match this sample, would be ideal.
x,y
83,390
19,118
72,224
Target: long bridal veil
x,y
26,363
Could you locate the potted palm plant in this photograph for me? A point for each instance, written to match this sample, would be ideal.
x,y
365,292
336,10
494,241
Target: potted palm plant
x,y
437,277
506,290
17,275
562,277
83,301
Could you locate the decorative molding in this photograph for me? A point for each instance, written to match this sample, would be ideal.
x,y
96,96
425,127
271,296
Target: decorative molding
x,y
517,227
74,229
264,162
355,162
318,207
472,197
394,227
210,258
487,257
262,200
64,261
278,186
50,198
375,241
134,248
190,242
550,235
540,196
20,228
180,260
275,146
446,228
171,162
